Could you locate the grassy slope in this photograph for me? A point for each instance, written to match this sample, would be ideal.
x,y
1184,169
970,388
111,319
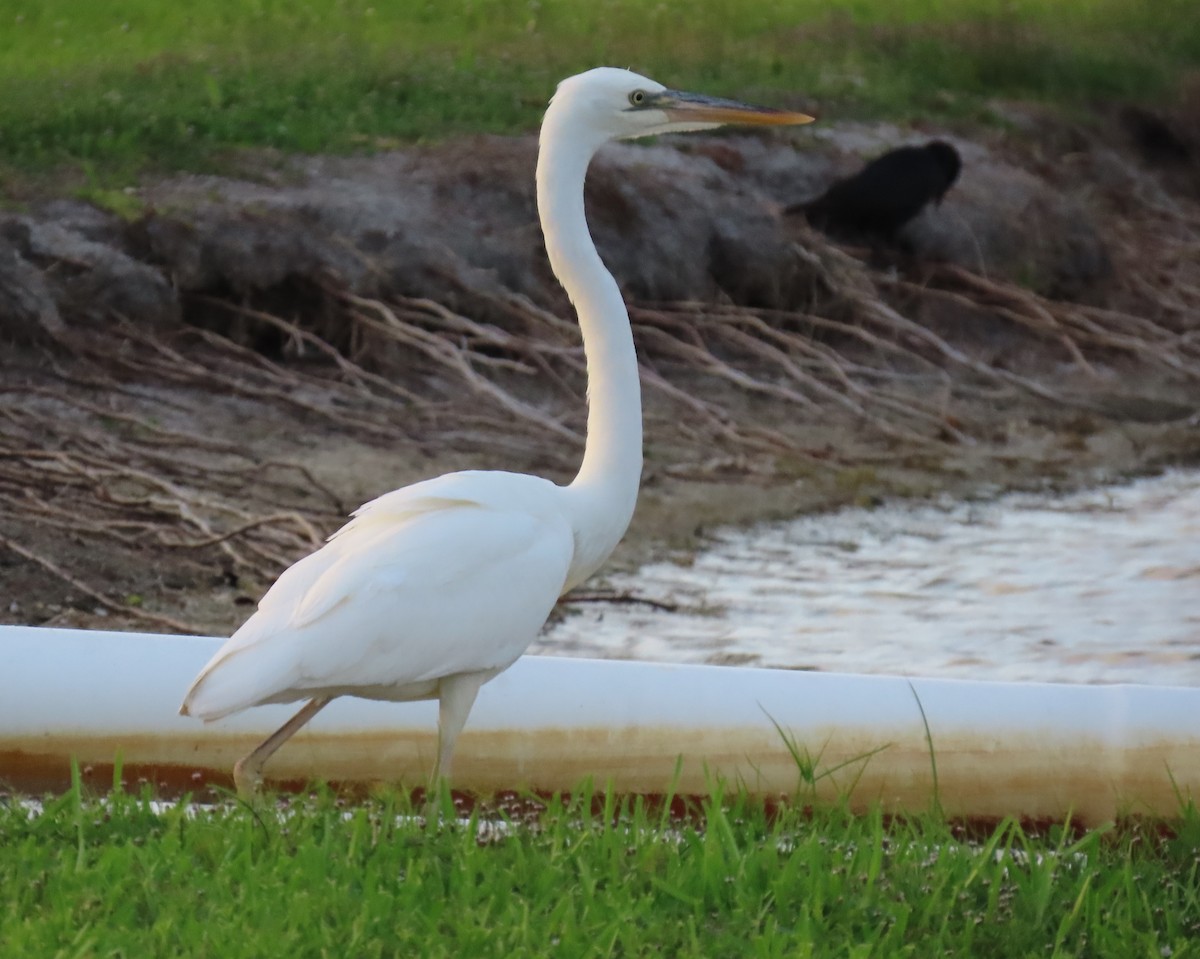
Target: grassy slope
x,y
87,879
118,86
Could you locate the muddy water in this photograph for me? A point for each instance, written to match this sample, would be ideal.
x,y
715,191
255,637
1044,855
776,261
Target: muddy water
x,y
1098,586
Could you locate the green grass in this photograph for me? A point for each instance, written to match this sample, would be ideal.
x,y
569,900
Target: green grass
x,y
122,86
123,878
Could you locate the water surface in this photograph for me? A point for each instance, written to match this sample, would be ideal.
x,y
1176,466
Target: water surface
x,y
1097,586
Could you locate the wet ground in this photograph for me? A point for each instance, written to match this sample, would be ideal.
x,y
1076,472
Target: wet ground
x,y
1095,586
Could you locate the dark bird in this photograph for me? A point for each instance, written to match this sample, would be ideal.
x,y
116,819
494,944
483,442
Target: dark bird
x,y
885,194
1155,136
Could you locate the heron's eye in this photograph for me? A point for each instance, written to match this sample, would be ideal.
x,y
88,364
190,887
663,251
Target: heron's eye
x,y
637,98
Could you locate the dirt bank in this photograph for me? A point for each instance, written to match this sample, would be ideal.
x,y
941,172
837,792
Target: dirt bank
x,y
197,387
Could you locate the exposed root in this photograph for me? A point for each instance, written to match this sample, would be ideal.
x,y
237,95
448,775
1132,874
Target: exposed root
x,y
119,479
627,599
162,622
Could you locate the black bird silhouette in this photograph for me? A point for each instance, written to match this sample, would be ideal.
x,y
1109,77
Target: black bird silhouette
x,y
885,194
1154,136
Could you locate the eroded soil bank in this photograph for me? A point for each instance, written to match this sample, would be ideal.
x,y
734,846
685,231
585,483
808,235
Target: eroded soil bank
x,y
197,387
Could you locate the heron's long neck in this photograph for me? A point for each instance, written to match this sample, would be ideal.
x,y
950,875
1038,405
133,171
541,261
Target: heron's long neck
x,y
612,461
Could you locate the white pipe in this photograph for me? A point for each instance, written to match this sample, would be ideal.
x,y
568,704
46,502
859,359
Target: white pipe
x,y
1024,749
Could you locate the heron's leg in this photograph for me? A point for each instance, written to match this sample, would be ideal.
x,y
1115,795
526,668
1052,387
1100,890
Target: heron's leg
x,y
456,696
247,773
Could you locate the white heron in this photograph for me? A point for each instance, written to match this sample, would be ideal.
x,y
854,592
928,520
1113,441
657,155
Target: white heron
x,y
431,590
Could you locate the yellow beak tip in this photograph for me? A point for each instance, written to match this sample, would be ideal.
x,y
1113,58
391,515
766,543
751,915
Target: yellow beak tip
x,y
737,114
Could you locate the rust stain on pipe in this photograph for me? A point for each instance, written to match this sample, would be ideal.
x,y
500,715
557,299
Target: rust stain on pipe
x,y
1032,776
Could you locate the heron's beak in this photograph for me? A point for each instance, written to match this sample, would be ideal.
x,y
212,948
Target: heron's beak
x,y
698,108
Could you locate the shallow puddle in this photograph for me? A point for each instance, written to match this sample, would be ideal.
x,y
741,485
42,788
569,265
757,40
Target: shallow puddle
x,y
1098,586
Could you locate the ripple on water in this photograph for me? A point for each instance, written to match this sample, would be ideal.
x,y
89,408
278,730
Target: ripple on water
x,y
1097,586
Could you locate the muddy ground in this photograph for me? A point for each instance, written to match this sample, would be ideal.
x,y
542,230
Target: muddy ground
x,y
200,380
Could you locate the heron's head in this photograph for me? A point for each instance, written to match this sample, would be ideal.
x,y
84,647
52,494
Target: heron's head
x,y
611,104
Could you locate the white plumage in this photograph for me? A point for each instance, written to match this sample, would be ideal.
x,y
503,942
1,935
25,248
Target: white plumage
x,y
379,610
431,590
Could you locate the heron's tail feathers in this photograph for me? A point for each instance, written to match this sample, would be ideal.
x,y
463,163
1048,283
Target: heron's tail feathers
x,y
236,679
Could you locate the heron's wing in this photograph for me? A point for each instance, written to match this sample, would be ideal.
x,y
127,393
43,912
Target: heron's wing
x,y
411,590
475,489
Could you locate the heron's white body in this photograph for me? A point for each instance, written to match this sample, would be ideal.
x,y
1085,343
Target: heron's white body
x,y
431,590
453,575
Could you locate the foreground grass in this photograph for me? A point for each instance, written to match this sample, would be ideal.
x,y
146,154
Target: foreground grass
x,y
114,88
123,877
